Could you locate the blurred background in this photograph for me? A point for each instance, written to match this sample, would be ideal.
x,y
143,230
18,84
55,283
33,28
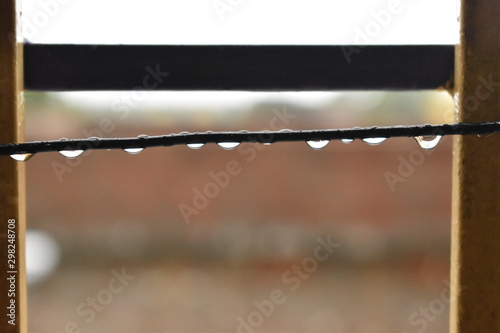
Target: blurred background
x,y
175,240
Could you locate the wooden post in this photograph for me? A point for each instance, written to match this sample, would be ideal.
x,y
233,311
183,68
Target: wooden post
x,y
475,264
12,194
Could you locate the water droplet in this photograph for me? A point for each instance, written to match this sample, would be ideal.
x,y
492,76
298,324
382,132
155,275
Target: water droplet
x,y
71,153
94,138
267,143
195,145
317,144
428,142
374,141
347,140
21,157
228,145
143,136
133,150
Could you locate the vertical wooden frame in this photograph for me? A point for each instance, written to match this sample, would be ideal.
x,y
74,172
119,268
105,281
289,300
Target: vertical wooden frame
x,y
12,178
475,262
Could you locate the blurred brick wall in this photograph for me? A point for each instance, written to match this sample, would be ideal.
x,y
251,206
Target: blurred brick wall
x,y
115,210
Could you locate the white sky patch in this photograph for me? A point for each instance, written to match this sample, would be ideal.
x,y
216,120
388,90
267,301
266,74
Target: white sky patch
x,y
250,22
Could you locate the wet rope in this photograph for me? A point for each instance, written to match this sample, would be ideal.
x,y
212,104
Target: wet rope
x,y
196,140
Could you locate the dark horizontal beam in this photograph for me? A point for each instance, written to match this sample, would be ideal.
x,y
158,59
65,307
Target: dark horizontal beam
x,y
232,67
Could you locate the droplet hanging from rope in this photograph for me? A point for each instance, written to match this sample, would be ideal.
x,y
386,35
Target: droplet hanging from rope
x,y
195,145
427,142
374,141
22,157
133,151
317,144
229,145
71,153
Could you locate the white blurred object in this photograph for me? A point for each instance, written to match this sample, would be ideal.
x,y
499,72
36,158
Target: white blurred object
x,y
42,255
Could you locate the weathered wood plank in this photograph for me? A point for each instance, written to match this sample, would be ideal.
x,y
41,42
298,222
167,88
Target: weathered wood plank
x,y
475,306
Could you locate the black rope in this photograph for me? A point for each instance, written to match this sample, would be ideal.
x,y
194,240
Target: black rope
x,y
246,136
